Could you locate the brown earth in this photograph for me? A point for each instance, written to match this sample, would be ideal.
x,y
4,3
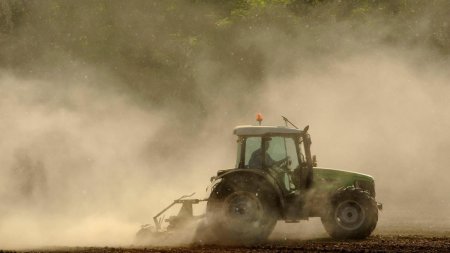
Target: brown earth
x,y
377,243
396,234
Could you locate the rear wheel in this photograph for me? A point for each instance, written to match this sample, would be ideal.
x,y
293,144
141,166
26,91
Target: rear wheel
x,y
241,211
352,214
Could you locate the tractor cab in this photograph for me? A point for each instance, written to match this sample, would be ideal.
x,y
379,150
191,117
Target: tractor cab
x,y
280,151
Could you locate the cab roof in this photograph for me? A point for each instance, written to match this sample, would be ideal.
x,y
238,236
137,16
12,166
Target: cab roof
x,y
263,130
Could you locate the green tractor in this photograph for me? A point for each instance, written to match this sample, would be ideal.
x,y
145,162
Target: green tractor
x,y
276,178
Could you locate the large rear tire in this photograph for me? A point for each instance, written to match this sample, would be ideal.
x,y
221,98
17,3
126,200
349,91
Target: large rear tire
x,y
352,214
241,210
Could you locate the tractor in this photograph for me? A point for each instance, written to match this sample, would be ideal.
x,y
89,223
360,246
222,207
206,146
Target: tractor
x,y
277,179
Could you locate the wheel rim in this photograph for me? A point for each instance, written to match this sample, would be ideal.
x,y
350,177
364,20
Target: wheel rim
x,y
349,215
244,208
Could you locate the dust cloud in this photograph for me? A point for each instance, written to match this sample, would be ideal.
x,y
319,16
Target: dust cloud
x,y
110,110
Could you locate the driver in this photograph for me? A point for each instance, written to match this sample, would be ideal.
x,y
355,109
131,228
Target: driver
x,y
257,157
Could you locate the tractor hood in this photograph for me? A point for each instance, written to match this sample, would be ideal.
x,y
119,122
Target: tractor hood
x,y
329,180
333,175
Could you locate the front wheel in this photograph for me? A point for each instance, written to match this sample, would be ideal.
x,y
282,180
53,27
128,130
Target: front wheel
x,y
352,214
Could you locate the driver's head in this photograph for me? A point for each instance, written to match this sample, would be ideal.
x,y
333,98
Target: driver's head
x,y
266,143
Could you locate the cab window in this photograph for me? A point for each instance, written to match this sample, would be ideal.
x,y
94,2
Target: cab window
x,y
278,148
291,151
251,145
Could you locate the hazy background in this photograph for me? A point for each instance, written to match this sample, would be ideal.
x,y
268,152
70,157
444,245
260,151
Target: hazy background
x,y
111,109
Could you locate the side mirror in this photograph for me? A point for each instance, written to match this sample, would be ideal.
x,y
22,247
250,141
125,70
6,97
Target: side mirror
x,y
314,161
306,129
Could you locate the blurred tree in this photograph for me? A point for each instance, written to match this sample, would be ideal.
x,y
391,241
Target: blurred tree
x,y
172,51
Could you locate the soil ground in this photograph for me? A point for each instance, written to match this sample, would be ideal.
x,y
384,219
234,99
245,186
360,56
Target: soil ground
x,y
377,243
391,235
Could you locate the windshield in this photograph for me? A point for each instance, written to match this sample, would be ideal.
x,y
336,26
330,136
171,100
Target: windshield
x,y
277,149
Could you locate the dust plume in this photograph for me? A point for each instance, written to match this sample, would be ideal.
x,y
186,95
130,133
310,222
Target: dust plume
x,y
109,110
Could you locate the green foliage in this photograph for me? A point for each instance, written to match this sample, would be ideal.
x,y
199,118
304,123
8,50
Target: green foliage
x,y
158,48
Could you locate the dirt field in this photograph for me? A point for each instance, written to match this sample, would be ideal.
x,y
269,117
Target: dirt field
x,y
390,236
308,237
375,243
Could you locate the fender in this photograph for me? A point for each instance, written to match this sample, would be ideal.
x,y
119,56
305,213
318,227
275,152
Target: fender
x,y
221,175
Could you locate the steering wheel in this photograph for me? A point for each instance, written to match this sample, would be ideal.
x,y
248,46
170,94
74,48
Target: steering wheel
x,y
285,164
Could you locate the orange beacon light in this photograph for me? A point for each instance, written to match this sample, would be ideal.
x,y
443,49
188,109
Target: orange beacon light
x,y
259,118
